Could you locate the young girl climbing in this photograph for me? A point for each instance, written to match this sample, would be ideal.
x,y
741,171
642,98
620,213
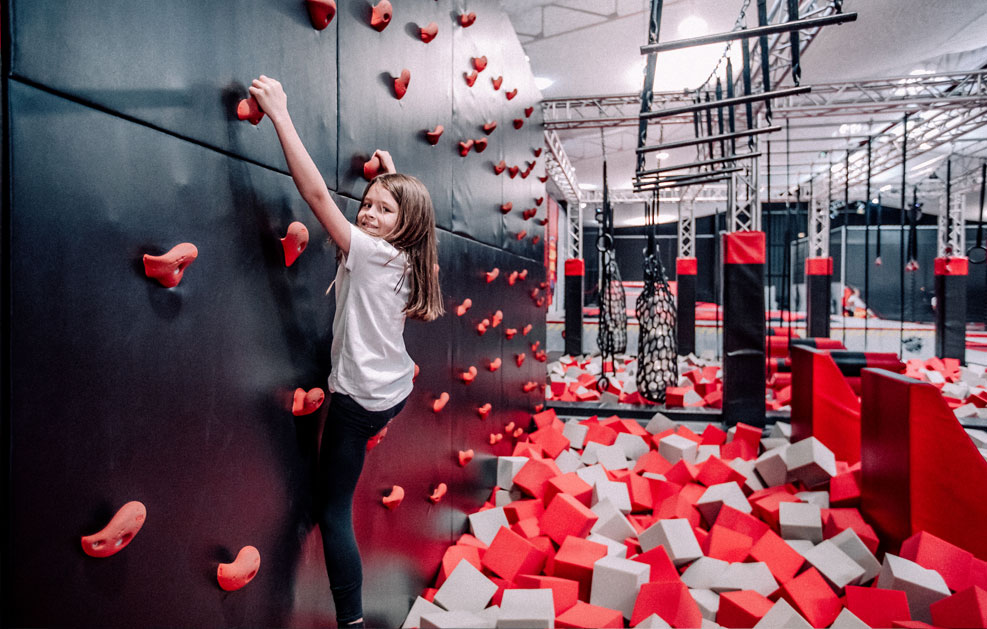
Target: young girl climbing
x,y
386,274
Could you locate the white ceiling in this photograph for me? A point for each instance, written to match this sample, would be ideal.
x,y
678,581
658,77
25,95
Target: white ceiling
x,y
592,48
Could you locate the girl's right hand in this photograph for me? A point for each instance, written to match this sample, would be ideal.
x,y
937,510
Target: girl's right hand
x,y
270,96
386,162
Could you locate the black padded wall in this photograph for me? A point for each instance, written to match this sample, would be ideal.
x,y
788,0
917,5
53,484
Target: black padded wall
x,y
122,142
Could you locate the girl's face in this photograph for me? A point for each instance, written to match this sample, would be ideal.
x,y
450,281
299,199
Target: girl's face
x,y
379,213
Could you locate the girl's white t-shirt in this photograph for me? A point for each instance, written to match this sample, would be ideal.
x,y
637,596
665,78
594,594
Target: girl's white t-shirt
x,y
369,360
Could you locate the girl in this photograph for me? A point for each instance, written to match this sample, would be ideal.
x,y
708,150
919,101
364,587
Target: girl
x,y
385,275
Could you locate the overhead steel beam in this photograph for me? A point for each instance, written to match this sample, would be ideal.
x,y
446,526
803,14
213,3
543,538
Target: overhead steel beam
x,y
708,162
726,102
706,139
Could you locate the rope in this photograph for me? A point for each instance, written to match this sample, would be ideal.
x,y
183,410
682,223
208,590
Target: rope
x,y
867,246
901,238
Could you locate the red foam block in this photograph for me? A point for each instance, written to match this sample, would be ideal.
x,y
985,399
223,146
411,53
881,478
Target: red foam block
x,y
565,592
583,615
809,594
567,516
575,561
510,555
966,608
877,607
743,608
671,601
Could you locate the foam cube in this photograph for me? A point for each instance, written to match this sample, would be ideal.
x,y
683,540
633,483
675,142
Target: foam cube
x,y
510,555
818,498
534,474
507,468
714,471
849,543
421,606
754,576
966,608
781,430
923,586
671,601
571,484
452,557
485,524
934,553
592,473
611,522
612,457
741,522
782,614
812,597
838,568
660,423
662,568
568,461
565,592
615,492
877,607
633,446
746,468
678,538
726,544
708,602
575,561
810,462
675,448
524,509
801,546
716,496
452,620
551,440
566,516
704,572
846,620
520,609
616,583
654,621
743,608
466,589
583,615
575,433
799,520
836,521
614,548
705,453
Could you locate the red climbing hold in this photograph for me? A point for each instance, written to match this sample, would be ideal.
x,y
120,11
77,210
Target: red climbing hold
x,y
528,111
510,332
371,167
506,207
465,456
440,403
542,221
494,364
121,530
393,499
500,167
489,127
484,410
535,240
521,234
169,268
429,32
492,274
528,214
306,403
497,82
513,171
321,12
525,330
469,375
434,135
518,123
539,200
480,145
248,109
294,242
463,307
470,77
464,147
466,19
380,17
401,84
479,63
481,327
512,278
510,95
233,576
438,494
519,359
543,179
497,318
537,151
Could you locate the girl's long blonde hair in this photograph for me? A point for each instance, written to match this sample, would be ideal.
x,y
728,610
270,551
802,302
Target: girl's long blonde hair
x,y
414,235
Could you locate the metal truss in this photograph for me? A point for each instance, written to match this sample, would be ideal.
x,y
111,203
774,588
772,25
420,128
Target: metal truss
x,y
743,206
560,169
819,225
951,225
687,229
700,194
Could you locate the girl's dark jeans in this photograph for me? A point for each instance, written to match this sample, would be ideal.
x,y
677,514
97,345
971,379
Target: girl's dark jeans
x,y
344,444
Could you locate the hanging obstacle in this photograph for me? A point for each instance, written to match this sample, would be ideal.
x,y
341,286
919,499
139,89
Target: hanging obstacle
x,y
977,254
656,354
612,335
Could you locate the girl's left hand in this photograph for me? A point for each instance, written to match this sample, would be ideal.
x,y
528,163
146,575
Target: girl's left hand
x,y
270,96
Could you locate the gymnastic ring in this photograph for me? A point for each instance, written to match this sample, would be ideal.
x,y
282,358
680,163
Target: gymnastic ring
x,y
980,258
604,242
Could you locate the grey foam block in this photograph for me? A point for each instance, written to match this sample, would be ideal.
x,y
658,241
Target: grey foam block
x,y
838,568
782,614
421,606
485,524
453,620
678,538
800,520
520,609
466,589
922,585
616,583
854,547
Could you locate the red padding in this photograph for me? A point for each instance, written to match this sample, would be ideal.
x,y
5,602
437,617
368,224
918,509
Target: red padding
x,y
686,266
958,265
575,266
744,247
819,266
823,404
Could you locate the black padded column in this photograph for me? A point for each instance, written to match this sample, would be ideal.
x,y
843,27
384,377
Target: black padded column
x,y
743,328
575,270
685,272
951,307
818,274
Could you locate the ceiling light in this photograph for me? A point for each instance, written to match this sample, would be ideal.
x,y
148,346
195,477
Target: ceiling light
x,y
693,26
588,186
662,155
927,162
924,146
920,72
542,82
885,188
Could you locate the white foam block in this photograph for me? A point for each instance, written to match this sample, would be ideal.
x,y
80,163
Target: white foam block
x,y
507,468
966,411
616,583
847,620
979,437
716,496
922,586
589,457
800,520
611,457
453,620
703,572
745,576
851,544
421,606
490,615
958,390
592,473
660,423
675,448
801,546
782,614
614,548
614,491
753,482
708,602
654,621
575,433
676,536
466,589
810,461
838,568
633,446
611,522
705,452
502,498
521,609
568,461
485,524
770,443
772,467
781,430
818,498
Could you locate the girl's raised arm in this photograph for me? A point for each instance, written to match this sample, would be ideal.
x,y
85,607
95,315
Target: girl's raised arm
x,y
273,101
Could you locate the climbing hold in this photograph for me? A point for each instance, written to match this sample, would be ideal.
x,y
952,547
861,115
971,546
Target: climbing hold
x,y
539,408
542,285
541,356
534,346
429,32
512,278
371,167
497,82
484,410
510,95
492,274
401,84
465,456
543,179
494,364
434,135
523,274
248,109
521,234
121,530
509,427
169,268
439,492
525,330
519,359
233,576
440,403
500,166
464,147
530,167
513,171
518,123
469,375
529,386
306,403
525,173
374,441
489,127
479,63
534,293
393,499
417,369
540,302
496,437
481,327
537,152
530,213
321,12
294,242
518,432
528,111
380,17
466,19
539,200
510,332
463,307
497,318
480,145
542,221
506,207
470,77
535,240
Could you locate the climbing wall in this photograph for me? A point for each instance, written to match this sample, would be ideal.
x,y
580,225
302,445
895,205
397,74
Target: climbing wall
x,y
123,141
